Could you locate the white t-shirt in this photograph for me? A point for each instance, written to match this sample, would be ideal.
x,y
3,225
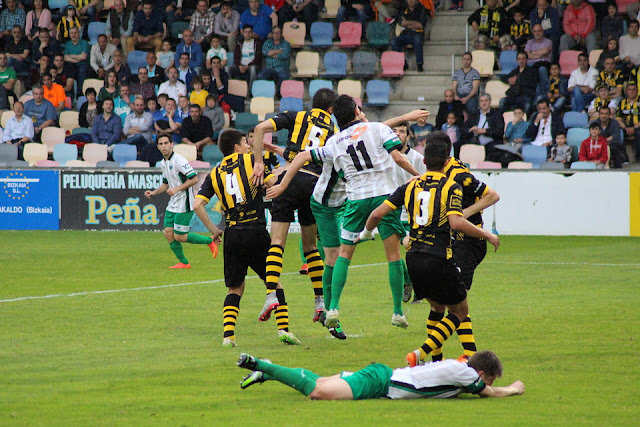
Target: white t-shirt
x,y
248,53
175,172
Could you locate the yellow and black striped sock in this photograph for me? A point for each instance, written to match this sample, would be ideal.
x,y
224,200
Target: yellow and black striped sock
x,y
432,321
230,315
274,267
439,335
465,334
282,312
315,270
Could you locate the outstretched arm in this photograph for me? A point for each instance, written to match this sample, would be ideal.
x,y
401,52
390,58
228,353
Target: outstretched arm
x,y
511,390
296,165
412,116
258,146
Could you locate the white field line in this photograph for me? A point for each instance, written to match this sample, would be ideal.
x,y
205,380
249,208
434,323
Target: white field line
x,y
175,285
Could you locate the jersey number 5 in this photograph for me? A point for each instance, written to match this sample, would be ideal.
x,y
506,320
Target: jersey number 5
x,y
424,199
315,133
231,184
356,159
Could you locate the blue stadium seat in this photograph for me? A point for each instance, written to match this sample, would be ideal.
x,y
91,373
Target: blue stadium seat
x,y
94,30
212,154
575,136
230,58
335,64
508,61
124,153
317,84
321,34
378,93
583,165
291,104
81,101
364,64
574,119
552,166
246,121
534,154
135,60
62,153
265,88
55,7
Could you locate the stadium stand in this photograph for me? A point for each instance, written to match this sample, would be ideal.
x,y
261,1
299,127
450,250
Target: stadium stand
x,y
94,153
123,153
33,152
63,153
263,88
189,152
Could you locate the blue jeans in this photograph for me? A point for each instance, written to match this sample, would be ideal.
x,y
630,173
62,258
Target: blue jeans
x,y
277,76
543,80
409,37
83,70
472,104
580,100
345,13
21,67
138,140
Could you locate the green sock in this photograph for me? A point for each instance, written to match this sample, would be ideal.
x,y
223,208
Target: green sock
x,y
176,247
299,379
320,250
405,272
198,239
302,257
326,284
338,280
397,285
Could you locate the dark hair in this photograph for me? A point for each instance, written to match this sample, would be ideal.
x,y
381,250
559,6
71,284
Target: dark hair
x,y
225,3
228,140
211,97
103,101
90,90
151,98
436,150
517,10
557,64
405,124
197,79
561,134
487,362
468,53
196,106
323,99
634,22
583,55
543,101
163,95
518,108
185,54
163,135
522,52
251,130
216,57
247,26
595,125
215,36
344,109
604,107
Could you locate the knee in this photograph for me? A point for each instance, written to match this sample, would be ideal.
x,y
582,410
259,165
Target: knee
x,y
181,237
319,393
168,234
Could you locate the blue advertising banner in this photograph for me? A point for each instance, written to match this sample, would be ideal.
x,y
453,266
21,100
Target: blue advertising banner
x,y
29,200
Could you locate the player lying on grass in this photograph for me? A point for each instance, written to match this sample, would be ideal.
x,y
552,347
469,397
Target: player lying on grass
x,y
431,381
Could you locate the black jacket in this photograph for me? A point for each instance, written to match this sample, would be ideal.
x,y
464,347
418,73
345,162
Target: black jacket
x,y
557,126
494,126
443,112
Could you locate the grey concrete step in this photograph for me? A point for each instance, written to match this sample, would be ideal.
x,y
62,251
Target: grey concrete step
x,y
456,34
438,47
450,19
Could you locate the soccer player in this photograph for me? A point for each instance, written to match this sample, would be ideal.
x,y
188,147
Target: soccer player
x,y
178,182
434,203
246,238
307,130
431,381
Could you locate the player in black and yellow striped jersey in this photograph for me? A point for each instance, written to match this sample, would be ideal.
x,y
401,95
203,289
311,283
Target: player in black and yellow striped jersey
x,y
307,130
434,205
246,242
628,116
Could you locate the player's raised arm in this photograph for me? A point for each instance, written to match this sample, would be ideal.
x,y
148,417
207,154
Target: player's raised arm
x,y
412,116
490,198
296,165
458,223
510,390
258,146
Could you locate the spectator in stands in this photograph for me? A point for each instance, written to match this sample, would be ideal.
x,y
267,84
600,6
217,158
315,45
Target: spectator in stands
x,y
45,45
520,29
582,83
449,105
523,81
451,128
123,104
138,125
387,10
90,109
413,19
613,79
202,22
602,100
173,88
491,21
630,48
69,20
185,73
39,17
89,8
54,92
594,148
628,117
356,8
578,22
196,129
155,73
147,29
248,56
610,51
154,108
206,82
516,129
40,110
119,25
419,131
186,8
122,70
107,127
18,129
183,106
76,51
143,86
612,26
101,59
65,74
557,89
260,18
193,51
170,122
216,49
466,84
632,11
214,113
198,95
111,87
12,15
41,68
166,56
8,80
544,125
484,127
610,129
277,52
560,151
17,49
303,10
220,78
226,25
547,17
540,50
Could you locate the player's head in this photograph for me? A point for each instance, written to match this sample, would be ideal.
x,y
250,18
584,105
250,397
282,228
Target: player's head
x,y
165,144
233,141
323,99
345,110
402,130
436,150
487,365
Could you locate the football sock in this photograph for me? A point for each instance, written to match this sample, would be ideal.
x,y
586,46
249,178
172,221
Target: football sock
x,y
274,267
302,254
198,239
465,334
326,284
397,285
320,249
230,315
315,270
282,312
439,335
338,280
405,272
176,247
432,321
299,379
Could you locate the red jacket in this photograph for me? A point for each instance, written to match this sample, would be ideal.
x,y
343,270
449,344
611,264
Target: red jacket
x,y
590,151
580,21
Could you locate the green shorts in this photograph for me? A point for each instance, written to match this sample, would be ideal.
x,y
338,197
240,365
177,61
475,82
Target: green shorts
x,y
328,220
355,217
180,222
407,227
371,382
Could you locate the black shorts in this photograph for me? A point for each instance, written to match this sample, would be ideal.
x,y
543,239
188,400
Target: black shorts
x,y
297,196
436,278
244,248
468,254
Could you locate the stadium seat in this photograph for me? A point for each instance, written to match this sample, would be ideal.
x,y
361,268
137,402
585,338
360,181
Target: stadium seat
x,y
483,61
392,64
189,152
282,137
137,164
77,164
94,153
575,136
107,164
307,64
97,84
6,115
212,154
350,34
292,89
364,64
261,106
353,88
94,30
321,35
47,164
69,120
135,60
378,93
62,153
552,166
520,165
17,164
472,154
81,100
291,104
294,33
534,154
489,165
52,136
574,119
55,6
497,90
34,152
594,56
199,164
568,61
583,165
335,64
318,84
238,87
378,34
80,130
25,98
332,7
507,61
264,88
176,30
246,121
230,58
123,153
8,152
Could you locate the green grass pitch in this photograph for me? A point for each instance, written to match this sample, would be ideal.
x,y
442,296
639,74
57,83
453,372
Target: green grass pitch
x,y
563,313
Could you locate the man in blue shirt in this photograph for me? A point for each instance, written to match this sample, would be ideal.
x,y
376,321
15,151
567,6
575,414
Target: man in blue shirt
x,y
171,121
107,127
191,48
261,17
41,111
147,29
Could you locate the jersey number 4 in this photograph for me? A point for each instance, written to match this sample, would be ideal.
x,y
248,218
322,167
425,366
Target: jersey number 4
x,y
353,149
231,184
